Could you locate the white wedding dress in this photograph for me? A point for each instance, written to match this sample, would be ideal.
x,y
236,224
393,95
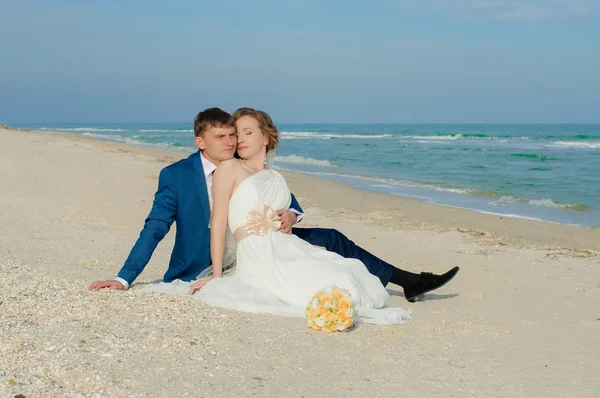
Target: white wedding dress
x,y
278,273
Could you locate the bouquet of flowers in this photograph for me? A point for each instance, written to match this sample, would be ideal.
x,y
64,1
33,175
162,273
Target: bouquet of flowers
x,y
331,310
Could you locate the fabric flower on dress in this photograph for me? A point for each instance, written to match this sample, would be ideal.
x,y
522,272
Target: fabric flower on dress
x,y
260,221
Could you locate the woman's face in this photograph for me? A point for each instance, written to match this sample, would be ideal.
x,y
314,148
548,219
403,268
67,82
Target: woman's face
x,y
251,140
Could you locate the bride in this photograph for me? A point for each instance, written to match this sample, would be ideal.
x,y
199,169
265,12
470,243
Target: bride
x,y
276,273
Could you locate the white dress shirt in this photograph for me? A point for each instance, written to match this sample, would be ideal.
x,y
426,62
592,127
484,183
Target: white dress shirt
x,y
209,170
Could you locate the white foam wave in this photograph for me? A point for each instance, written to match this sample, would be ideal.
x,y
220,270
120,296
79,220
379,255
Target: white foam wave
x,y
458,136
573,144
507,199
168,131
435,137
455,190
80,129
133,141
117,138
389,182
508,215
377,180
431,142
302,160
311,135
549,203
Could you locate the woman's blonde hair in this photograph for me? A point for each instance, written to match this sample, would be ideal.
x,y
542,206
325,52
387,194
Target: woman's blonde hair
x,y
264,122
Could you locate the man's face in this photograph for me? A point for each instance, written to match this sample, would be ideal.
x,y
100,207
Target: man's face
x,y
217,144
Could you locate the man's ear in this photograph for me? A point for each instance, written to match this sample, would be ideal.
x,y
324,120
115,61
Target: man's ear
x,y
199,143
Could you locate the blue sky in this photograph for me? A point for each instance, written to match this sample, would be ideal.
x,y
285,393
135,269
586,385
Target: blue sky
x,y
414,61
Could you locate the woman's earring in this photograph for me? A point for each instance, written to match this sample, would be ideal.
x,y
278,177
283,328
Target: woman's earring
x,y
266,151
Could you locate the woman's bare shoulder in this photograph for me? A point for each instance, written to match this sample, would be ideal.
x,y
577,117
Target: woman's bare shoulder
x,y
230,165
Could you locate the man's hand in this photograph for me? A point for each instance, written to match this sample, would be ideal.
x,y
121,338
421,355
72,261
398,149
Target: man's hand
x,y
111,284
288,219
199,284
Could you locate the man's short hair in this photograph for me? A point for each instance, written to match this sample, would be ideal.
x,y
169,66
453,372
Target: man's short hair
x,y
209,118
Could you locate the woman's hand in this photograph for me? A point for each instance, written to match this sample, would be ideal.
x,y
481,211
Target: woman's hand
x,y
199,284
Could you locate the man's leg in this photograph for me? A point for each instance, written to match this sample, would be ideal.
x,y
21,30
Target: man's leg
x,y
414,285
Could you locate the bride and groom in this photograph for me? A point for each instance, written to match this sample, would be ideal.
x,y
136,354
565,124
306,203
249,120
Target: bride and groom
x,y
278,267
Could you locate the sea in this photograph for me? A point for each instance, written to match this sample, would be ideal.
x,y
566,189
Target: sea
x,y
547,172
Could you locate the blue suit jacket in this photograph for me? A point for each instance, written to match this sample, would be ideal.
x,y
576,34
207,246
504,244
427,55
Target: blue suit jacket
x,y
181,197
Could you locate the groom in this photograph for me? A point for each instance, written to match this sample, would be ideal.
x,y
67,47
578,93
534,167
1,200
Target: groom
x,y
184,197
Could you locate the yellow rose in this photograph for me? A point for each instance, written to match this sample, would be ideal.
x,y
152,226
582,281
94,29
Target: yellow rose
x,y
344,304
329,317
341,316
328,329
348,322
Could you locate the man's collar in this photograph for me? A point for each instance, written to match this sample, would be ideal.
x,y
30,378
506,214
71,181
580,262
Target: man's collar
x,y
207,166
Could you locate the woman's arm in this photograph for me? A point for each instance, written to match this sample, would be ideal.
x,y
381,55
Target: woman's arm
x,y
222,188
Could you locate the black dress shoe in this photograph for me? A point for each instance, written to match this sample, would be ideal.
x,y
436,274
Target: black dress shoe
x,y
427,283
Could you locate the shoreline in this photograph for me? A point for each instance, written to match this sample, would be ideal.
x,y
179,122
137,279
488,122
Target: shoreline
x,y
412,213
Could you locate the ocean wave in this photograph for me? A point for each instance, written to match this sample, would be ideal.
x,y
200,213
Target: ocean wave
x,y
134,141
309,135
464,136
168,131
435,137
585,137
499,138
562,137
510,215
551,203
302,160
579,145
390,182
507,199
379,180
80,129
535,156
539,202
117,138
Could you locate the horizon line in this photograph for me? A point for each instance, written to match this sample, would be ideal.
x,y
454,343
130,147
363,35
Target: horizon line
x,y
348,123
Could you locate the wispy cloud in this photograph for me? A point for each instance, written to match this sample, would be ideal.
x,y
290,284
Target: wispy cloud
x,y
505,10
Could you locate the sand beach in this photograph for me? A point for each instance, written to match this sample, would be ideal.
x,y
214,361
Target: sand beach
x,y
522,318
